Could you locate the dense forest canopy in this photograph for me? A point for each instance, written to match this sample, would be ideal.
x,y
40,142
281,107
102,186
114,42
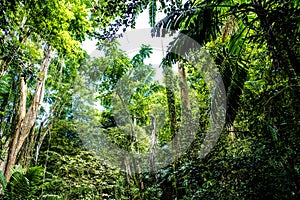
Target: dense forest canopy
x,y
221,122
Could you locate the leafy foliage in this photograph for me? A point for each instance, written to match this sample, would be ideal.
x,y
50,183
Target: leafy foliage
x,y
24,184
255,45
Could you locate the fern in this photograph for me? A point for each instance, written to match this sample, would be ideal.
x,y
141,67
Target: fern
x,y
3,182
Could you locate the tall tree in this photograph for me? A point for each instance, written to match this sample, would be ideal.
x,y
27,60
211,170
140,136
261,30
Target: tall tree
x,y
33,33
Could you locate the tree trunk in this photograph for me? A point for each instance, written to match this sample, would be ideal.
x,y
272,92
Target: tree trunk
x,y
186,104
170,88
153,142
26,119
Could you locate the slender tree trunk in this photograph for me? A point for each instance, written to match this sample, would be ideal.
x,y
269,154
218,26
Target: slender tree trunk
x,y
26,118
127,168
40,140
186,104
170,88
153,142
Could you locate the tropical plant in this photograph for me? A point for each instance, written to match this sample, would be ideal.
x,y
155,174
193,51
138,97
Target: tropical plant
x,y
24,184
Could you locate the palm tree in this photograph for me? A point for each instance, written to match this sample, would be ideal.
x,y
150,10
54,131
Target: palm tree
x,y
271,23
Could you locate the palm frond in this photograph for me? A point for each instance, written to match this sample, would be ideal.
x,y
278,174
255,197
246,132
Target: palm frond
x,y
35,175
152,12
203,21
